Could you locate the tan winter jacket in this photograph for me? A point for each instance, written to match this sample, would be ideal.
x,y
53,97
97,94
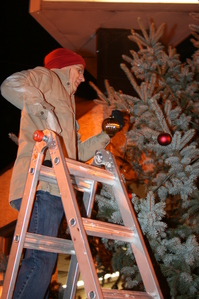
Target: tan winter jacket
x,y
36,92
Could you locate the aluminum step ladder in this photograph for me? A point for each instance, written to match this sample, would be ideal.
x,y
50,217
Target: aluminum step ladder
x,y
70,174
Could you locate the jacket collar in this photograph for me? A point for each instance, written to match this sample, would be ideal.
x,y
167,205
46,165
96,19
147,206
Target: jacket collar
x,y
64,77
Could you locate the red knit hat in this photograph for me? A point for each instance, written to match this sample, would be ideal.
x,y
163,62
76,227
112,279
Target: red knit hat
x,y
61,57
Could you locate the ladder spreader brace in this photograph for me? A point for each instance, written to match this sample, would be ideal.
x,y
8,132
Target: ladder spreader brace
x,y
68,174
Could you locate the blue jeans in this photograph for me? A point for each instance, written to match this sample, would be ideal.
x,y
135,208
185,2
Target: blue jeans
x,y
37,266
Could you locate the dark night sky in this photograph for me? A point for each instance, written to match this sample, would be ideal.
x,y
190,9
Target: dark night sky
x,y
24,44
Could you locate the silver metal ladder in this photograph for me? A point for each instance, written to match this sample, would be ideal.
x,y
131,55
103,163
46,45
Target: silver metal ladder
x,y
70,174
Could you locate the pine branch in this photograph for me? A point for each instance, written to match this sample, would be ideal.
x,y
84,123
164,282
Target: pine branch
x,y
159,115
159,33
100,94
143,30
131,79
135,37
152,85
187,138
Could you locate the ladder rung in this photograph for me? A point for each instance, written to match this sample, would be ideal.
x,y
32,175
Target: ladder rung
x,y
107,230
47,175
49,244
76,168
80,172
93,228
119,294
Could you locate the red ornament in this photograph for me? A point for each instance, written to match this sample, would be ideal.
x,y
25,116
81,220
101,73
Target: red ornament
x,y
164,139
130,196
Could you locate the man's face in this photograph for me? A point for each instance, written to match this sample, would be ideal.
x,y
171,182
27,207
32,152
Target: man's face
x,y
76,76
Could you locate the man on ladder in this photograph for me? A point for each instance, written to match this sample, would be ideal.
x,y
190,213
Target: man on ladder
x,y
46,97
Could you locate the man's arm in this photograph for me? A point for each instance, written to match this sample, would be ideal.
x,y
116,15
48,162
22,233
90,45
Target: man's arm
x,y
22,90
87,149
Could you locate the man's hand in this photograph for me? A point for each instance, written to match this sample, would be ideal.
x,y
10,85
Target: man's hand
x,y
117,114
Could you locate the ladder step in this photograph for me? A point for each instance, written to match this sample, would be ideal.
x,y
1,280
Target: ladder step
x,y
119,294
48,175
49,244
93,228
78,174
107,230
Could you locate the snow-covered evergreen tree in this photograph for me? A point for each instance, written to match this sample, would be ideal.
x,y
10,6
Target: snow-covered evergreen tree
x,y
167,102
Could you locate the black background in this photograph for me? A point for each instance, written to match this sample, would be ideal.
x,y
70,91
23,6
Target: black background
x,y
24,44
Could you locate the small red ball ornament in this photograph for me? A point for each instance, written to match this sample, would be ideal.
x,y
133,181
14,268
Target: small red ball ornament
x,y
164,139
130,196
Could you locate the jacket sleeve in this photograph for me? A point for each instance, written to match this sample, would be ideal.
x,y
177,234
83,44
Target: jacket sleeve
x,y
87,149
22,89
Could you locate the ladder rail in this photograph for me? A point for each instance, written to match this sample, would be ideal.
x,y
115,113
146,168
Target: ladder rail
x,y
74,271
73,276
75,224
138,245
22,222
